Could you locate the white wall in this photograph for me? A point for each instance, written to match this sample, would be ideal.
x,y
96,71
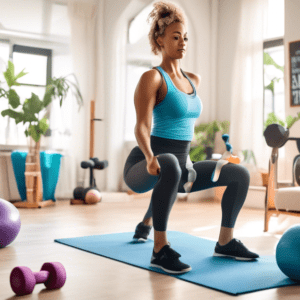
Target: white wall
x,y
292,33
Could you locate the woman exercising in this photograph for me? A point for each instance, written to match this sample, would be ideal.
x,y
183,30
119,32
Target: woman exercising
x,y
161,161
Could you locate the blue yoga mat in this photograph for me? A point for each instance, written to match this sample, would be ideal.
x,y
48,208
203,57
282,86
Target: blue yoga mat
x,y
50,166
223,274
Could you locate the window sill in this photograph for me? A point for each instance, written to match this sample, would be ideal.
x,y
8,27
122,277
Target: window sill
x,y
11,148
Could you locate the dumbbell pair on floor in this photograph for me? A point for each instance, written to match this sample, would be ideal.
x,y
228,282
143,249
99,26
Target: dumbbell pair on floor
x,y
23,280
90,195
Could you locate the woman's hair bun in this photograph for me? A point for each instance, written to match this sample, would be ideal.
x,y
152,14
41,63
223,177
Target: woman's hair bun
x,y
163,14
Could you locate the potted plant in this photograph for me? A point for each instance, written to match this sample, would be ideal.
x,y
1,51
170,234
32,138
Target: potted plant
x,y
273,119
28,113
204,138
275,136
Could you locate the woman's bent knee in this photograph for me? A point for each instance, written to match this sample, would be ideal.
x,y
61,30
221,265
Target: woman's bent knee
x,y
244,173
239,173
169,164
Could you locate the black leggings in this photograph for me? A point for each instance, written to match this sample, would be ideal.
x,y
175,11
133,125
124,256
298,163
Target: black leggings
x,y
174,174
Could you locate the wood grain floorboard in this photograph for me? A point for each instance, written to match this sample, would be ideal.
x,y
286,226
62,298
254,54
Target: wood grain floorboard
x,y
91,276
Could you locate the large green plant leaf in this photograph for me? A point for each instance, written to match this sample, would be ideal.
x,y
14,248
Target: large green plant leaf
x,y
33,105
43,125
270,87
197,153
3,92
13,98
9,75
35,132
19,116
21,74
11,113
29,117
61,88
48,95
268,60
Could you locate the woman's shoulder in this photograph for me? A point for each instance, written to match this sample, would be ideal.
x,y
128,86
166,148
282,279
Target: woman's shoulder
x,y
150,80
151,73
196,78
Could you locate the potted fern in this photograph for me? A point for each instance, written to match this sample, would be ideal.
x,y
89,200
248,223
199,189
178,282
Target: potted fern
x,y
204,138
28,113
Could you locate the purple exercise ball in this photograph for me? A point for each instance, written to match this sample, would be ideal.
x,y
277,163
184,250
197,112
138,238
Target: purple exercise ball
x,y
10,223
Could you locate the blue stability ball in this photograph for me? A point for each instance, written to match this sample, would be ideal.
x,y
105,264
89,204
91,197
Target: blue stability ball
x,y
288,253
10,223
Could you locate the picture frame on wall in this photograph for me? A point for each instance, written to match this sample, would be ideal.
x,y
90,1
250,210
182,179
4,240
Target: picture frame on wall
x,y
294,57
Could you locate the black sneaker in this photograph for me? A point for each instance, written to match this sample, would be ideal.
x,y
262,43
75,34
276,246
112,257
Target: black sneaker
x,y
235,249
167,260
141,232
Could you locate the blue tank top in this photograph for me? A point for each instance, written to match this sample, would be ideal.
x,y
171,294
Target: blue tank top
x,y
174,117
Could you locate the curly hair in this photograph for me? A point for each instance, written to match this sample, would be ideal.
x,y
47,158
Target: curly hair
x,y
163,14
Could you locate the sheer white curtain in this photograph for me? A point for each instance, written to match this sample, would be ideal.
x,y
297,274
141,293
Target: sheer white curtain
x,y
4,57
246,125
83,16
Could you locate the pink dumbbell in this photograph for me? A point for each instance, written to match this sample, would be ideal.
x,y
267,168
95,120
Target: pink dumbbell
x,y
23,280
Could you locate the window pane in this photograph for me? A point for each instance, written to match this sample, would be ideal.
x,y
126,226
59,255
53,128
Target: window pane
x,y
274,86
139,25
35,66
274,83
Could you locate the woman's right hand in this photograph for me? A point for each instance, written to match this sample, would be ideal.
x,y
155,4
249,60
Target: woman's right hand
x,y
153,166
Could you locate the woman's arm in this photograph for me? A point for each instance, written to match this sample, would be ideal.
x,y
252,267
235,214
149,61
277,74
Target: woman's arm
x,y
144,101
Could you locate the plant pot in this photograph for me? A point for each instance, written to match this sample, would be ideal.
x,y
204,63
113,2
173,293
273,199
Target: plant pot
x,y
208,152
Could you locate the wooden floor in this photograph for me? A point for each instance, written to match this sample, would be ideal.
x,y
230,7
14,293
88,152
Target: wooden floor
x,y
91,276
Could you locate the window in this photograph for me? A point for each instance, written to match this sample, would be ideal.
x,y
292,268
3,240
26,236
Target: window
x,y
138,26
274,79
274,97
47,24
37,62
